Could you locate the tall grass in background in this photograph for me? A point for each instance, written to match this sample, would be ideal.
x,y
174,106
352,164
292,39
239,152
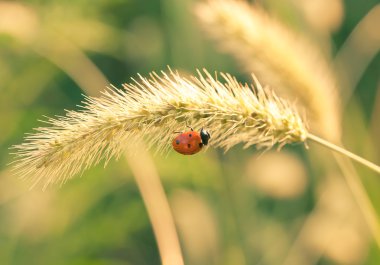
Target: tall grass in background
x,y
288,207
291,63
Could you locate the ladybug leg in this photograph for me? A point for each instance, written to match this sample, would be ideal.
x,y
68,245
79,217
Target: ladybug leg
x,y
191,128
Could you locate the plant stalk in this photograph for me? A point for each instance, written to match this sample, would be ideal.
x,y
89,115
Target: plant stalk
x,y
344,152
362,199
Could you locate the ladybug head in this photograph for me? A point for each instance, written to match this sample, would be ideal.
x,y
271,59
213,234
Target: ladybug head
x,y
205,136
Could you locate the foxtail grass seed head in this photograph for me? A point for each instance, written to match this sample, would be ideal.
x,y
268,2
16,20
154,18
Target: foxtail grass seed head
x,y
281,58
152,109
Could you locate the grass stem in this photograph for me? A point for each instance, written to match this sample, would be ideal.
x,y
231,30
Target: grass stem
x,y
344,152
361,196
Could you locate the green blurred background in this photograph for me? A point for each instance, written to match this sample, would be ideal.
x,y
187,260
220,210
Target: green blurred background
x,y
227,208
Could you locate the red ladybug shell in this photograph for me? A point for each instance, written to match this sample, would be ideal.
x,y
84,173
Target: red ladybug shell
x,y
188,143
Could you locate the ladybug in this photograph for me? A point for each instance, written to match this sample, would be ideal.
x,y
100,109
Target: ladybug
x,y
190,142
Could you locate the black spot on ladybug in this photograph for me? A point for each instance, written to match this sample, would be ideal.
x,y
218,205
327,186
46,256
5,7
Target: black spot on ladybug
x,y
188,145
190,135
177,141
200,145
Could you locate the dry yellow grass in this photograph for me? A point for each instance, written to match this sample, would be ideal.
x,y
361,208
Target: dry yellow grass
x,y
281,58
152,109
